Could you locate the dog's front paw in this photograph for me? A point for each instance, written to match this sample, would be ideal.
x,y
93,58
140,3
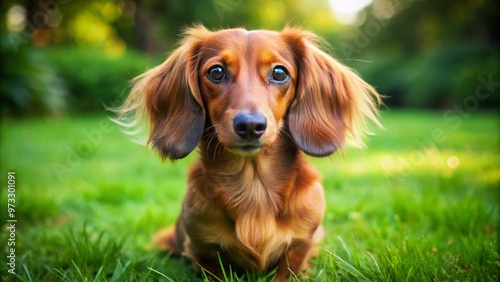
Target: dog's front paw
x,y
165,240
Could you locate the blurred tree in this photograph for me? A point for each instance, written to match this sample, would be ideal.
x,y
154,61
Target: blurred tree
x,y
431,54
422,53
154,25
417,26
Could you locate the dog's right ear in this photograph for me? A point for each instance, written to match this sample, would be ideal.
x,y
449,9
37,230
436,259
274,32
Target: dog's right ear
x,y
170,98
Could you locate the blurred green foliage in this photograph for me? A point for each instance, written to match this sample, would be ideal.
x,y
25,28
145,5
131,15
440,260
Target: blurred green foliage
x,y
29,84
431,54
94,79
417,53
437,79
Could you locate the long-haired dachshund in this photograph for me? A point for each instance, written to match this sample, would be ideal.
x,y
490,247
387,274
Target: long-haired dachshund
x,y
253,102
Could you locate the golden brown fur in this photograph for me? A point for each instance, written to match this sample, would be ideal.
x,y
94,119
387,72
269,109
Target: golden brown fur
x,y
252,196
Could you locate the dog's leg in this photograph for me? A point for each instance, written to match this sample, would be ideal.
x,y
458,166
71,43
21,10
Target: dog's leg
x,y
170,239
294,260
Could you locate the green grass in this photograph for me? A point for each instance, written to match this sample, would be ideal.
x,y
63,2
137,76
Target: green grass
x,y
420,203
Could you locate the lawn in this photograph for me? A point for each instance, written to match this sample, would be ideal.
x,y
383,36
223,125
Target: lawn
x,y
420,203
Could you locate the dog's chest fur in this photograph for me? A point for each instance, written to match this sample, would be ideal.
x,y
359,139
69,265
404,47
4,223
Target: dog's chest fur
x,y
250,226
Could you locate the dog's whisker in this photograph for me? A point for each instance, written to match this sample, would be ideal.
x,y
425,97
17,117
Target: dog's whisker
x,y
216,148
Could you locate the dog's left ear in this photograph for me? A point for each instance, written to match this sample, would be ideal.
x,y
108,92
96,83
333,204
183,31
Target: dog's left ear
x,y
331,101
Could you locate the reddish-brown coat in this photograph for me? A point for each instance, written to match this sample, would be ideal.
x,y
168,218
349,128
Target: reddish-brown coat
x,y
263,209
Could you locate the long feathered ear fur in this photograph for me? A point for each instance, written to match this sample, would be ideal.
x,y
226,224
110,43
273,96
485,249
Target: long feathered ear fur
x,y
168,96
331,102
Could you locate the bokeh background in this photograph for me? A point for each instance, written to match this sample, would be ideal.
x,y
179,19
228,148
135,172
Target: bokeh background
x,y
420,203
71,56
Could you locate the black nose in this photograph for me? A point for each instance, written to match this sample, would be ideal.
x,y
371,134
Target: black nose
x,y
250,126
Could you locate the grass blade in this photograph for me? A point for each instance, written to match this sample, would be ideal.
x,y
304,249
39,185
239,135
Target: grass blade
x,y
347,267
161,274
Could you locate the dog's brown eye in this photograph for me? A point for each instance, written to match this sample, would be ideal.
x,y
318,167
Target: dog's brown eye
x,y
216,74
279,74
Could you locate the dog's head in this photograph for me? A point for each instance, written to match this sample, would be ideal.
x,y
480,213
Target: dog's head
x,y
248,87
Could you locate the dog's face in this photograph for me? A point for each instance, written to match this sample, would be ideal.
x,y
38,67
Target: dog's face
x,y
245,88
247,83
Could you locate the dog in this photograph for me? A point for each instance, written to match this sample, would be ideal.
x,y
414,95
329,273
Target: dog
x,y
254,103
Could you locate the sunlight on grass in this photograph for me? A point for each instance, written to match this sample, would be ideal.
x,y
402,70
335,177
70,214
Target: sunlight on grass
x,y
412,206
